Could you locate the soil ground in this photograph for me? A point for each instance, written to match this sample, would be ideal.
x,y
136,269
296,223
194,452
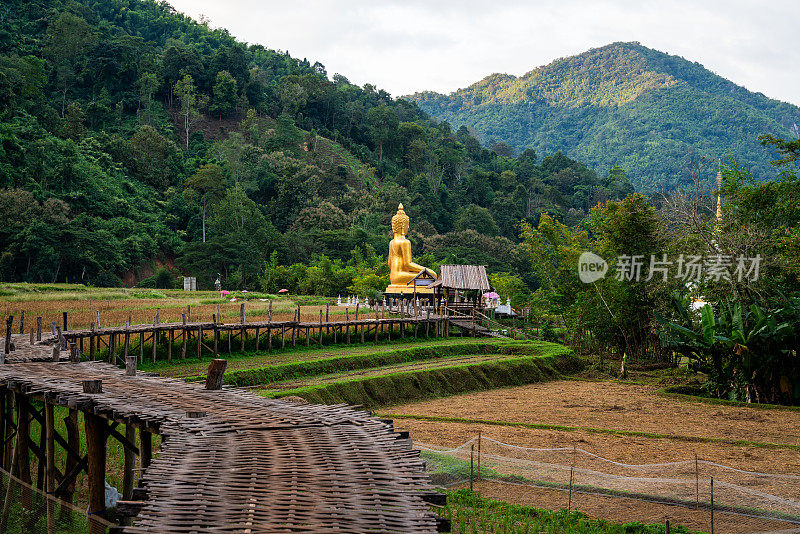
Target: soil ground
x,y
608,406
618,406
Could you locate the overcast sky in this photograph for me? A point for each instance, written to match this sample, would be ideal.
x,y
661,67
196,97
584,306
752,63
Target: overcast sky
x,y
442,45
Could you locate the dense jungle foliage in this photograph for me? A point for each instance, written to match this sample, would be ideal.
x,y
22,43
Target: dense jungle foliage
x,y
719,290
133,138
653,114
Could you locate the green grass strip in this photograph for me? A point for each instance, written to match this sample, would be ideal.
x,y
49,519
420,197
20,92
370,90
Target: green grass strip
x,y
395,388
593,430
470,512
670,392
337,364
299,353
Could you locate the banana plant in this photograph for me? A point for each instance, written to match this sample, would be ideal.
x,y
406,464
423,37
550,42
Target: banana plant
x,y
747,352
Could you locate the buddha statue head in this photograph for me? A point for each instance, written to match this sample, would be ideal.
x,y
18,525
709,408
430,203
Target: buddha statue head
x,y
400,221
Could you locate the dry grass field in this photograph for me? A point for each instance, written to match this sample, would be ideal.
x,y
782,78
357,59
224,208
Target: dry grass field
x,y
117,305
624,422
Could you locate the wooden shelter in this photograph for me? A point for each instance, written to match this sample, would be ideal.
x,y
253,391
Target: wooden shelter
x,y
462,284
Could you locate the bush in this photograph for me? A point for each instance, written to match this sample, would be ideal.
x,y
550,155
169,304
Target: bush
x,y
163,279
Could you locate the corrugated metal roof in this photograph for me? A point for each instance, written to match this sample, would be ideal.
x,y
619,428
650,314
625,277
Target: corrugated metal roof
x,y
464,277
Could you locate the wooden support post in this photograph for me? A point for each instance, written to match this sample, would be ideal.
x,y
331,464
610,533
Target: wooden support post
x,y
183,337
73,442
258,337
130,462
38,329
283,337
41,459
141,347
31,340
113,349
269,339
130,360
158,316
92,386
22,322
74,354
327,317
347,323
428,323
241,313
92,342
23,447
145,449
216,340
320,326
6,429
215,374
230,335
171,342
7,346
97,318
295,327
219,315
155,338
269,316
199,341
50,467
65,321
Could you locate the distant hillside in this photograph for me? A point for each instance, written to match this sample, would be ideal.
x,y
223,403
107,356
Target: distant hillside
x,y
623,104
135,141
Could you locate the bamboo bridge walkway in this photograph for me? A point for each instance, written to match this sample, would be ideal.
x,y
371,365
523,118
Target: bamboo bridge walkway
x,y
203,338
230,461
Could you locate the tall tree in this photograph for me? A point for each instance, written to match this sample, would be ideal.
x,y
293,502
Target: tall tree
x,y
224,101
147,84
382,122
190,102
209,183
68,38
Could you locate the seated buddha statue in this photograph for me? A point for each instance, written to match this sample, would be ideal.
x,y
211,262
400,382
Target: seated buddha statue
x,y
402,269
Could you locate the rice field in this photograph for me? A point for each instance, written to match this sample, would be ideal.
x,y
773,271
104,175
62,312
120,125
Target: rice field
x,y
118,305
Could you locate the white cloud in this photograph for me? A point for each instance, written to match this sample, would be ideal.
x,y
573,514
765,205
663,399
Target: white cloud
x,y
414,45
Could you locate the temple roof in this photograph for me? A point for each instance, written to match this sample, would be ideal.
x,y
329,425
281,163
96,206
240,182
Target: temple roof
x,y
464,277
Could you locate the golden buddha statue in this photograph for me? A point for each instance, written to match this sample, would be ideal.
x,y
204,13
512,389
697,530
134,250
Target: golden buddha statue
x,y
402,269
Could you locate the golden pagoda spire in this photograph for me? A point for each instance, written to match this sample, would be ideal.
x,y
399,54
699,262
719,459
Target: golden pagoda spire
x,y
719,191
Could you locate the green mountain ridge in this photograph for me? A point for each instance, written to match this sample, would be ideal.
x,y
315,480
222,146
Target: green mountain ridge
x,y
135,140
653,114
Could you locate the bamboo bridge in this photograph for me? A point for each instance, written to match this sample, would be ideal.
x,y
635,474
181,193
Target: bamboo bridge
x,y
230,461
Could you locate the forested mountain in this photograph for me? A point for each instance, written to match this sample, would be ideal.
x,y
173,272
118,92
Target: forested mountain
x,y
134,139
655,115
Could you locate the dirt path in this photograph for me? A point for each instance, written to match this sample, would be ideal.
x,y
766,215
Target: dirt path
x,y
388,369
192,369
